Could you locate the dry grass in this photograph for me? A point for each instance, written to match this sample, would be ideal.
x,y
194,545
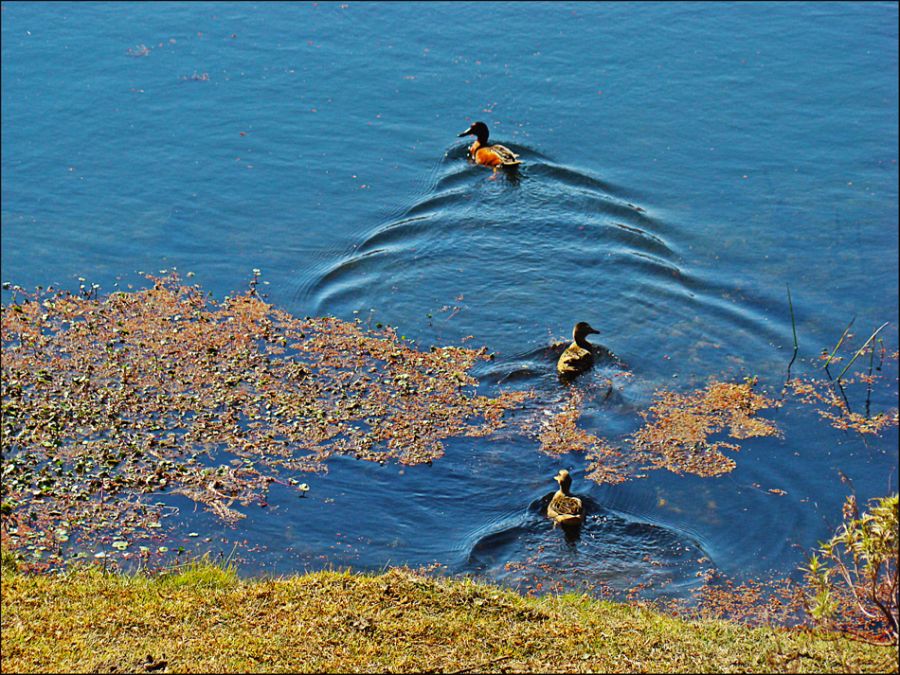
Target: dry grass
x,y
205,619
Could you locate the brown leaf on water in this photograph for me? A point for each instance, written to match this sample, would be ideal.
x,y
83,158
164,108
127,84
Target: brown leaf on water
x,y
559,433
675,436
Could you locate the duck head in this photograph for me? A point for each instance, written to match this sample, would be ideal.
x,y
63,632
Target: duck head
x,y
479,130
581,331
564,480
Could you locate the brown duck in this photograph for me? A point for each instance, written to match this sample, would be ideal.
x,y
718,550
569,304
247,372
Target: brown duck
x,y
565,509
483,152
579,356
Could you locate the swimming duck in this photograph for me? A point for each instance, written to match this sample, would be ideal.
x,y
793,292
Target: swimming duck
x,y
579,356
565,509
496,156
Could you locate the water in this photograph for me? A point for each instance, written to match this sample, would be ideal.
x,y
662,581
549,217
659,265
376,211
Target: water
x,y
682,163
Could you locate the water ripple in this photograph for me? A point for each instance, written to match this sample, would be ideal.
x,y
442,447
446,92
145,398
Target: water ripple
x,y
516,260
613,550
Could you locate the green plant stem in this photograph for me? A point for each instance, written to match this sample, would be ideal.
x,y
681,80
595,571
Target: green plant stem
x,y
862,349
794,329
837,346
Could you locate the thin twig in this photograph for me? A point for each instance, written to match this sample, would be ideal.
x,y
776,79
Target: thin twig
x,y
861,349
869,381
794,356
837,346
844,395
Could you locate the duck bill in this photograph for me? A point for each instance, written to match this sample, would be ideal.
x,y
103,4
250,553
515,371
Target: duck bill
x,y
467,132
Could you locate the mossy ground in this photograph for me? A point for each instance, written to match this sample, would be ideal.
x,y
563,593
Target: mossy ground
x,y
205,619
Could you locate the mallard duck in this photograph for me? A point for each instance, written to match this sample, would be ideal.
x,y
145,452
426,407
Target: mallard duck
x,y
496,156
579,356
565,509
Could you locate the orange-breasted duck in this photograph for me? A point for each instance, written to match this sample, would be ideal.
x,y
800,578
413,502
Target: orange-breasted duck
x,y
482,152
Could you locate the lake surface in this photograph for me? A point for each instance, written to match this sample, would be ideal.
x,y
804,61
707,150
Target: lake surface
x,y
682,165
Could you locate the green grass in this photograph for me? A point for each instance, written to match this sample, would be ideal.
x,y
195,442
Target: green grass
x,y
205,618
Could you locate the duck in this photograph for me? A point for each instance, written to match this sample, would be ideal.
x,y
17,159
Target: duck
x,y
496,156
565,509
579,356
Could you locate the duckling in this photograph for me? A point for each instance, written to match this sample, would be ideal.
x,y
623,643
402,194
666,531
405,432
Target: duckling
x,y
496,156
565,509
579,356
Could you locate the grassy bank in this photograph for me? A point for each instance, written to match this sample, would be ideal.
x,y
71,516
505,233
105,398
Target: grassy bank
x,y
206,619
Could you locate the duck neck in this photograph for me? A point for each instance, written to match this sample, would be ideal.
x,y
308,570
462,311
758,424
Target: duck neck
x,y
581,341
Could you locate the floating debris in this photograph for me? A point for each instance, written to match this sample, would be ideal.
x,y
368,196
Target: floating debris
x,y
830,405
140,50
676,435
561,434
109,400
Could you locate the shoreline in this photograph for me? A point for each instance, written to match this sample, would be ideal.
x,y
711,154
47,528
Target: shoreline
x,y
207,619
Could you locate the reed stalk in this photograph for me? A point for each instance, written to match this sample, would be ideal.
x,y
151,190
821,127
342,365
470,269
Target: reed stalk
x,y
862,349
837,346
794,329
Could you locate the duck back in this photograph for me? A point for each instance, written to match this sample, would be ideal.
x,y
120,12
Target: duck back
x,y
570,506
494,155
574,360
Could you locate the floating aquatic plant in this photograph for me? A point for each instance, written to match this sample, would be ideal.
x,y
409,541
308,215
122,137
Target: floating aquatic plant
x,y
678,429
676,434
110,400
560,433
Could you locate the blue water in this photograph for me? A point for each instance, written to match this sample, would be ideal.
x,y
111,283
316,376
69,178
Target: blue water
x,y
682,163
